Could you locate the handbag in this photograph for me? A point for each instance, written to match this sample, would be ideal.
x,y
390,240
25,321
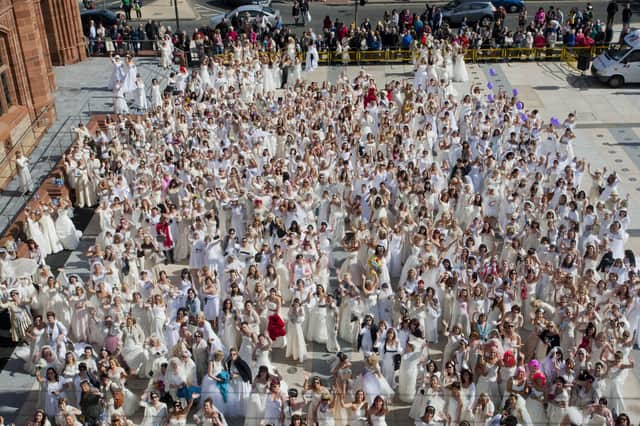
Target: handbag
x,y
308,16
126,268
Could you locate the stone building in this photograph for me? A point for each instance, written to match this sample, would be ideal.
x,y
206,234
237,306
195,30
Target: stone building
x,y
34,35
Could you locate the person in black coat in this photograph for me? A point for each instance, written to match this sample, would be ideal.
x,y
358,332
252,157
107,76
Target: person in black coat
x,y
612,9
368,335
234,362
90,403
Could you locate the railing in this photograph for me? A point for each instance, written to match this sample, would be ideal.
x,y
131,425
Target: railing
x,y
24,144
105,46
49,154
387,56
56,142
383,56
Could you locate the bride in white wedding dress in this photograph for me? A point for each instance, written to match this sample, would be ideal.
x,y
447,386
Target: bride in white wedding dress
x,y
67,233
35,232
49,230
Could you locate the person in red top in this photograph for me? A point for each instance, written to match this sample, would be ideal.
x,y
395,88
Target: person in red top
x,y
326,24
342,32
539,41
232,34
163,229
370,96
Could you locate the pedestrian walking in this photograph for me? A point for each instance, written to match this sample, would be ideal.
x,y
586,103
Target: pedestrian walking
x,y
295,12
626,14
126,6
305,11
612,9
137,6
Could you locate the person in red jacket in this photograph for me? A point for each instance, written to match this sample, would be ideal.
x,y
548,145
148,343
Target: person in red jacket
x,y
539,41
163,229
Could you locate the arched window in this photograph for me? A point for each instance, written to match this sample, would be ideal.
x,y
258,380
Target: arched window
x,y
7,88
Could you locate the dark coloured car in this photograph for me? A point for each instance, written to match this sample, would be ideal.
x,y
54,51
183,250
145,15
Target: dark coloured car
x,y
511,6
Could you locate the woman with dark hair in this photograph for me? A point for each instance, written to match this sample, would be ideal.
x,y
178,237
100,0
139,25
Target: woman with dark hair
x,y
240,383
227,324
378,411
40,419
178,416
52,388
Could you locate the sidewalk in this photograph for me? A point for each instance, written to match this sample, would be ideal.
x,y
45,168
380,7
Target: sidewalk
x,y
164,10
390,2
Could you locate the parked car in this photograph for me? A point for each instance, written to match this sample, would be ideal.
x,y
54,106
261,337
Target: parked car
x,y
511,6
247,2
254,11
104,16
455,12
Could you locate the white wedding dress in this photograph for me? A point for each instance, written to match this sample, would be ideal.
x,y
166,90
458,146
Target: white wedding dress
x,y
35,233
49,232
373,385
67,233
459,69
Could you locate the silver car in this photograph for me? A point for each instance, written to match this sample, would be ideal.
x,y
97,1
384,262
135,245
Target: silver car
x,y
247,2
475,11
255,12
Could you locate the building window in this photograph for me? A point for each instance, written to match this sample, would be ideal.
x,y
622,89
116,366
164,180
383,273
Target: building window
x,y
7,96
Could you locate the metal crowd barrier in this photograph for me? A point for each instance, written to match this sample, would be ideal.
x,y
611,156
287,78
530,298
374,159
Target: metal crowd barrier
x,y
327,57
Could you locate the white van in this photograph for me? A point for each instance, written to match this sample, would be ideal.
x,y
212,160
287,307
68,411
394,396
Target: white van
x,y
621,65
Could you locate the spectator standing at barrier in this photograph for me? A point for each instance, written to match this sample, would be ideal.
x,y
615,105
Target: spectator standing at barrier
x,y
436,19
151,30
612,9
93,35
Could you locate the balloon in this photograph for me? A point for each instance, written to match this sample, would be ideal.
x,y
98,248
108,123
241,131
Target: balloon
x,y
523,116
515,92
492,72
519,106
490,97
555,122
489,85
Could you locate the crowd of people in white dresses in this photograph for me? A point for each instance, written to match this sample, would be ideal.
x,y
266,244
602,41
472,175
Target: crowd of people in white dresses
x,y
453,239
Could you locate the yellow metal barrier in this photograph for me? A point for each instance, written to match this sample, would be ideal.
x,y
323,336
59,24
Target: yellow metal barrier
x,y
489,54
559,53
367,56
549,53
519,54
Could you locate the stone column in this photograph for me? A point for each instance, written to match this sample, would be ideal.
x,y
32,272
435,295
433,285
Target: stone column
x,y
34,52
64,31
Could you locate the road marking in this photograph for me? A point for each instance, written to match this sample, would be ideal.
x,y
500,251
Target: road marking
x,y
109,5
208,10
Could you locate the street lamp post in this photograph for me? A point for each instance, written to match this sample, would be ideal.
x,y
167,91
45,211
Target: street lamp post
x,y
355,18
175,5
